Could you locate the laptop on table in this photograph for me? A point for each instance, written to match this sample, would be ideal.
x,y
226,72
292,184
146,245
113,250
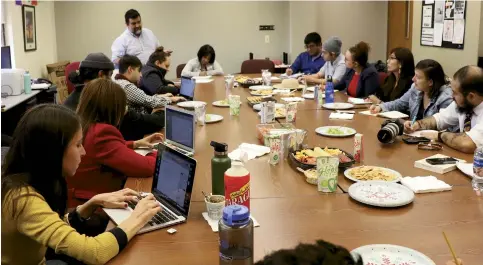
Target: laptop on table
x,y
187,88
180,130
172,186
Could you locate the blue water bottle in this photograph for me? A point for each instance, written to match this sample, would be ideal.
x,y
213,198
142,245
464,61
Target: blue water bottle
x,y
27,85
236,236
477,181
329,90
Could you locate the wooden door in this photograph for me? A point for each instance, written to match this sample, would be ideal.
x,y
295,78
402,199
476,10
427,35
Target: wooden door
x,y
399,24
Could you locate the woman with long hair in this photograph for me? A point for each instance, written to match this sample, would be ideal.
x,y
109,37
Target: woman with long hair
x,y
204,64
109,158
400,69
429,93
46,149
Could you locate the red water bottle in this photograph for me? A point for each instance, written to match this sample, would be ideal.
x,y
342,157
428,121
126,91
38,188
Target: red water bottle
x,y
237,185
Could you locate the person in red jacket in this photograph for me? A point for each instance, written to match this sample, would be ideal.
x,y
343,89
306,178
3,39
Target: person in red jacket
x,y
109,158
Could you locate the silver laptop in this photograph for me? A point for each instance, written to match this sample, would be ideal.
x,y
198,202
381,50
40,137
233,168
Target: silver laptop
x,y
180,130
172,186
187,88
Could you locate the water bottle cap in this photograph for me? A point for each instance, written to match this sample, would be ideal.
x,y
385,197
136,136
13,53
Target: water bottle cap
x,y
219,147
236,215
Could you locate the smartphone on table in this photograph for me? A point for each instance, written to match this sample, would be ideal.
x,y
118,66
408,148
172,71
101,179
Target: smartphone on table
x,y
441,161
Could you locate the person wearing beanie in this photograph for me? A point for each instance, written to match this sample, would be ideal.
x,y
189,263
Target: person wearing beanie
x,y
334,63
135,40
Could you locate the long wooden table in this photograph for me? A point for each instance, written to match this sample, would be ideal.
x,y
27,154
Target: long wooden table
x,y
291,211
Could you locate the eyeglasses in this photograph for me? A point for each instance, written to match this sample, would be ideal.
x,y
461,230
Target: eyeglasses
x,y
310,46
433,146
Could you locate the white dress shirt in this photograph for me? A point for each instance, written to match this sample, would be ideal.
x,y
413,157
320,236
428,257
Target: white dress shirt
x,y
336,69
141,47
193,68
451,117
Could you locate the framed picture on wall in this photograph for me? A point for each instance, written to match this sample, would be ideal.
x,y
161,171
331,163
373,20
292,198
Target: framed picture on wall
x,y
29,28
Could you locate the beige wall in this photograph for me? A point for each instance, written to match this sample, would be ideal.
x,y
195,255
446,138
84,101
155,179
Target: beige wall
x,y
303,20
230,27
355,21
450,59
46,52
480,43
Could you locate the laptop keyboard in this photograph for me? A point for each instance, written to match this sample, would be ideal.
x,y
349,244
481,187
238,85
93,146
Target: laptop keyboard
x,y
160,218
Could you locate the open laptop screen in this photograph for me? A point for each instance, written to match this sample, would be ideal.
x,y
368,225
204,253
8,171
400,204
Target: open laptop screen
x,y
187,89
180,127
174,177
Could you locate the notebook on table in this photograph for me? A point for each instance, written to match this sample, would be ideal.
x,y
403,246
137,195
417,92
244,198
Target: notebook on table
x,y
441,169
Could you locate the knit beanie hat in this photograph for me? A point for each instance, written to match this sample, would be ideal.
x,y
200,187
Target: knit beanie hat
x,y
97,61
333,44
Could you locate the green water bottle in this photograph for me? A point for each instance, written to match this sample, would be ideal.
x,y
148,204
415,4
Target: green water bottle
x,y
219,164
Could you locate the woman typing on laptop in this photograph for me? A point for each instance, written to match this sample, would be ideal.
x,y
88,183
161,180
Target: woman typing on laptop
x,y
46,149
109,158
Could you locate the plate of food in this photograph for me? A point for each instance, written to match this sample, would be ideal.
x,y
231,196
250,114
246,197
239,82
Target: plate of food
x,y
335,131
390,254
310,175
381,193
262,92
258,106
212,118
307,158
261,87
280,112
189,104
221,103
256,100
246,81
367,173
338,105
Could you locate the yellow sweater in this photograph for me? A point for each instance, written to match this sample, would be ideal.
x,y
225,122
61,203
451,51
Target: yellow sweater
x,y
25,237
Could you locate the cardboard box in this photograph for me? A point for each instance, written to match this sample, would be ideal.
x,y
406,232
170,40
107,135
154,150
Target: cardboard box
x,y
56,74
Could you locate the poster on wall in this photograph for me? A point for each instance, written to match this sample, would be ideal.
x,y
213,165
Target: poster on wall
x,y
443,23
29,28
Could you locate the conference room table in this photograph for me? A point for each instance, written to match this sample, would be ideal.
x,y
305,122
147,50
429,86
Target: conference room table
x,y
291,211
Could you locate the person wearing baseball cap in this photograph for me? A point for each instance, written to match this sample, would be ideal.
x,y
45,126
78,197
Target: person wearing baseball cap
x,y
334,63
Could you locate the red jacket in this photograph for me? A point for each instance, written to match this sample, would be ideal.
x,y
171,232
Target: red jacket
x,y
108,161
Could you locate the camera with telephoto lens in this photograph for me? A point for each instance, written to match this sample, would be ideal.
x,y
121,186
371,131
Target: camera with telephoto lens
x,y
390,129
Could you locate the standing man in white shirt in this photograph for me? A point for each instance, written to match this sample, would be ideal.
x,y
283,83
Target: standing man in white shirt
x,y
135,40
466,112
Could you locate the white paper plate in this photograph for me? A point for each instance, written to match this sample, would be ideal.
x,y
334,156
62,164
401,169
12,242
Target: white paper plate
x,y
256,93
273,78
391,254
261,87
394,172
212,118
338,105
189,104
358,101
258,107
381,193
466,168
324,131
308,96
201,77
221,103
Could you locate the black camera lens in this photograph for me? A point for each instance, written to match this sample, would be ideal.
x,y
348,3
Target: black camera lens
x,y
389,131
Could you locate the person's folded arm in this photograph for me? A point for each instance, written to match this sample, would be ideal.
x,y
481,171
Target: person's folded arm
x,y
344,82
217,70
138,97
445,118
401,104
462,142
37,221
297,64
112,151
339,72
188,69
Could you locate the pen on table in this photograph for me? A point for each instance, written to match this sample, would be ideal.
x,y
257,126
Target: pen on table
x,y
451,249
413,121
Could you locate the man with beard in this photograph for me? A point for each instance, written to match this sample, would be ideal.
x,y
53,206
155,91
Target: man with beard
x,y
135,40
466,112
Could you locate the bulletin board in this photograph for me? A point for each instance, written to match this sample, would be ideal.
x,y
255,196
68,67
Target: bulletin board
x,y
443,23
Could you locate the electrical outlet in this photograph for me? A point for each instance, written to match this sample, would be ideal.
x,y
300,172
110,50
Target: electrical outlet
x,y
267,38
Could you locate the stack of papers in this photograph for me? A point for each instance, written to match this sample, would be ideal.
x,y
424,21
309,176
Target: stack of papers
x,y
367,112
393,115
425,184
441,169
293,99
341,116
358,101
251,150
214,223
294,76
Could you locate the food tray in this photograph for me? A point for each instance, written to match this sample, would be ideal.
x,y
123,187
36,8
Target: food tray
x,y
295,163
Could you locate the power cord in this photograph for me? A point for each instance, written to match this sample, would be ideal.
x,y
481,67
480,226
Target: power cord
x,y
4,95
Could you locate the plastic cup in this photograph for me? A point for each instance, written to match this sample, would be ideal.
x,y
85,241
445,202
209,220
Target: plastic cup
x,y
214,206
234,101
200,113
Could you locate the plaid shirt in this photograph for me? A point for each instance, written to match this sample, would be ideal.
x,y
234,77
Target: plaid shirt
x,y
138,100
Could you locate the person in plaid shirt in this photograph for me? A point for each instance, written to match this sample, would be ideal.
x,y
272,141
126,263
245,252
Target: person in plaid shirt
x,y
129,75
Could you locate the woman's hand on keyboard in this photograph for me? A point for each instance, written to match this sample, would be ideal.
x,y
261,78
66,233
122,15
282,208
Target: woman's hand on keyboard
x,y
142,214
117,199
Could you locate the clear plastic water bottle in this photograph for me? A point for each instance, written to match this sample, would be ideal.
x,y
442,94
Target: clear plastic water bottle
x,y
329,90
236,236
477,182
27,85
317,93
266,77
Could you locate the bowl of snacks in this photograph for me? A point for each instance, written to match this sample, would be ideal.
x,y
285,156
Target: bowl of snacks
x,y
307,158
310,175
246,81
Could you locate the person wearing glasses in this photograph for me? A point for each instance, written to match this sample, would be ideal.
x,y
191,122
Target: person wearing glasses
x,y
334,63
310,61
400,69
